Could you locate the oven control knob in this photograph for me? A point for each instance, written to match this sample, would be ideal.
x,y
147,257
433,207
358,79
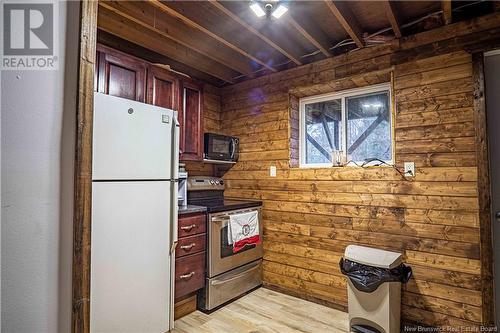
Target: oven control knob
x,y
212,182
221,182
216,182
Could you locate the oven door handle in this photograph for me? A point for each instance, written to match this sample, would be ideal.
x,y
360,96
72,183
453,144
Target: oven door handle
x,y
236,277
220,220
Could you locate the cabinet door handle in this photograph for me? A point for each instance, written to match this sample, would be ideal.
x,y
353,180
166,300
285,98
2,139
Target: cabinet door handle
x,y
188,247
189,227
186,276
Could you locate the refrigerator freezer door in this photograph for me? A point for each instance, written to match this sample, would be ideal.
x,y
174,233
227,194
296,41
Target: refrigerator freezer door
x,y
131,140
131,260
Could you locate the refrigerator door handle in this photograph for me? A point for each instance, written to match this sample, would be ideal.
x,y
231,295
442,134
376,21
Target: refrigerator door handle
x,y
175,150
175,184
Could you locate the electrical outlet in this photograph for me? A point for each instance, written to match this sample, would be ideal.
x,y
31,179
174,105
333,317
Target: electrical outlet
x,y
410,169
272,171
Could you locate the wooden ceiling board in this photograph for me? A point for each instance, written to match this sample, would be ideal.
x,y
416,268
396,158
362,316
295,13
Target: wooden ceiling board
x,y
184,34
370,15
391,12
137,33
138,51
316,13
223,41
212,19
411,10
205,32
347,19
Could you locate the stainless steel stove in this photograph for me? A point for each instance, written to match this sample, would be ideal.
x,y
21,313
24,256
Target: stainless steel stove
x,y
229,274
209,192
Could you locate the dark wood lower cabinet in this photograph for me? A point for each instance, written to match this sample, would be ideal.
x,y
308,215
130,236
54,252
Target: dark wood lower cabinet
x,y
190,225
191,245
190,262
189,274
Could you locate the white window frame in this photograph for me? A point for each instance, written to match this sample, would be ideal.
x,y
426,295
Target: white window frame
x,y
342,95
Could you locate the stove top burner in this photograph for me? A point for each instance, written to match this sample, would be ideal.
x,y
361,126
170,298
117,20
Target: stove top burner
x,y
224,205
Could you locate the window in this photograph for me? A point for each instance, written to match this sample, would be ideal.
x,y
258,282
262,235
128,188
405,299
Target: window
x,y
354,125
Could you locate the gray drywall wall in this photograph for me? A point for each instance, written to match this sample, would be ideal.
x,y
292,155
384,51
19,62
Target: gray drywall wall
x,y
38,111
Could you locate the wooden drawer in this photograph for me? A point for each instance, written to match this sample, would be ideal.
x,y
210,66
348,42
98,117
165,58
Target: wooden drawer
x,y
189,274
190,245
192,225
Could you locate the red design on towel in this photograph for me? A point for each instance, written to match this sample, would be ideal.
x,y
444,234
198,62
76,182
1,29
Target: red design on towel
x,y
254,240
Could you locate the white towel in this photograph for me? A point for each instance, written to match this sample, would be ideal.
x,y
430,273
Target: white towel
x,y
243,229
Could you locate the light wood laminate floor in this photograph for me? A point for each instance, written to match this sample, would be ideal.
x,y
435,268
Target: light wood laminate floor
x,y
266,311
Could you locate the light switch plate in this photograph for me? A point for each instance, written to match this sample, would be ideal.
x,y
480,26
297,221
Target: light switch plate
x,y
410,169
272,171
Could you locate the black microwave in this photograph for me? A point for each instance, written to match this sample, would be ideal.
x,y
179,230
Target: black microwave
x,y
221,147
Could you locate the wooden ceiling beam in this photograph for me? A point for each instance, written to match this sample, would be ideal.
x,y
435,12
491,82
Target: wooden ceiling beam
x,y
247,26
323,47
167,10
347,20
138,51
446,7
149,17
139,33
392,16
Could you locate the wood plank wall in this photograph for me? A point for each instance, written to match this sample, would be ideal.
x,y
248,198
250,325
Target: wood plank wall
x,y
211,123
310,215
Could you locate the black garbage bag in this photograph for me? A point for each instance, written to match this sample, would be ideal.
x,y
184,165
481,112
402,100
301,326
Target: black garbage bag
x,y
367,278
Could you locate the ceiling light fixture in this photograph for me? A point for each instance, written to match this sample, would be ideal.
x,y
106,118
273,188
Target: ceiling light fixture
x,y
278,12
268,8
257,9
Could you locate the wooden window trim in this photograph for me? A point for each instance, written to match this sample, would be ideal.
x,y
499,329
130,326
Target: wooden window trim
x,y
387,86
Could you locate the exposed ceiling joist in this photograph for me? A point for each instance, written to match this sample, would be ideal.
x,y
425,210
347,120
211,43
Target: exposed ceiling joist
x,y
117,43
392,16
160,23
247,26
446,7
348,21
141,34
323,47
167,10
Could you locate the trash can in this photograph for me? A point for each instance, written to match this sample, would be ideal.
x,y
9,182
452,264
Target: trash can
x,y
374,288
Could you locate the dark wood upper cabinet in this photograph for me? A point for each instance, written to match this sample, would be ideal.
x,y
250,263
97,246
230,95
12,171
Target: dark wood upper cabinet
x,y
121,75
163,88
191,121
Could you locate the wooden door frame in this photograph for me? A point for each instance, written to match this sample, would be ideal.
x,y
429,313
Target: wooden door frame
x,y
484,191
80,319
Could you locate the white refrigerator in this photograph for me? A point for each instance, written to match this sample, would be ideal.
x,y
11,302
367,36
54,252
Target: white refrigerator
x,y
134,216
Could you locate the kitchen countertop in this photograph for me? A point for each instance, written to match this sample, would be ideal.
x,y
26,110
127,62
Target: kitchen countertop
x,y
191,209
